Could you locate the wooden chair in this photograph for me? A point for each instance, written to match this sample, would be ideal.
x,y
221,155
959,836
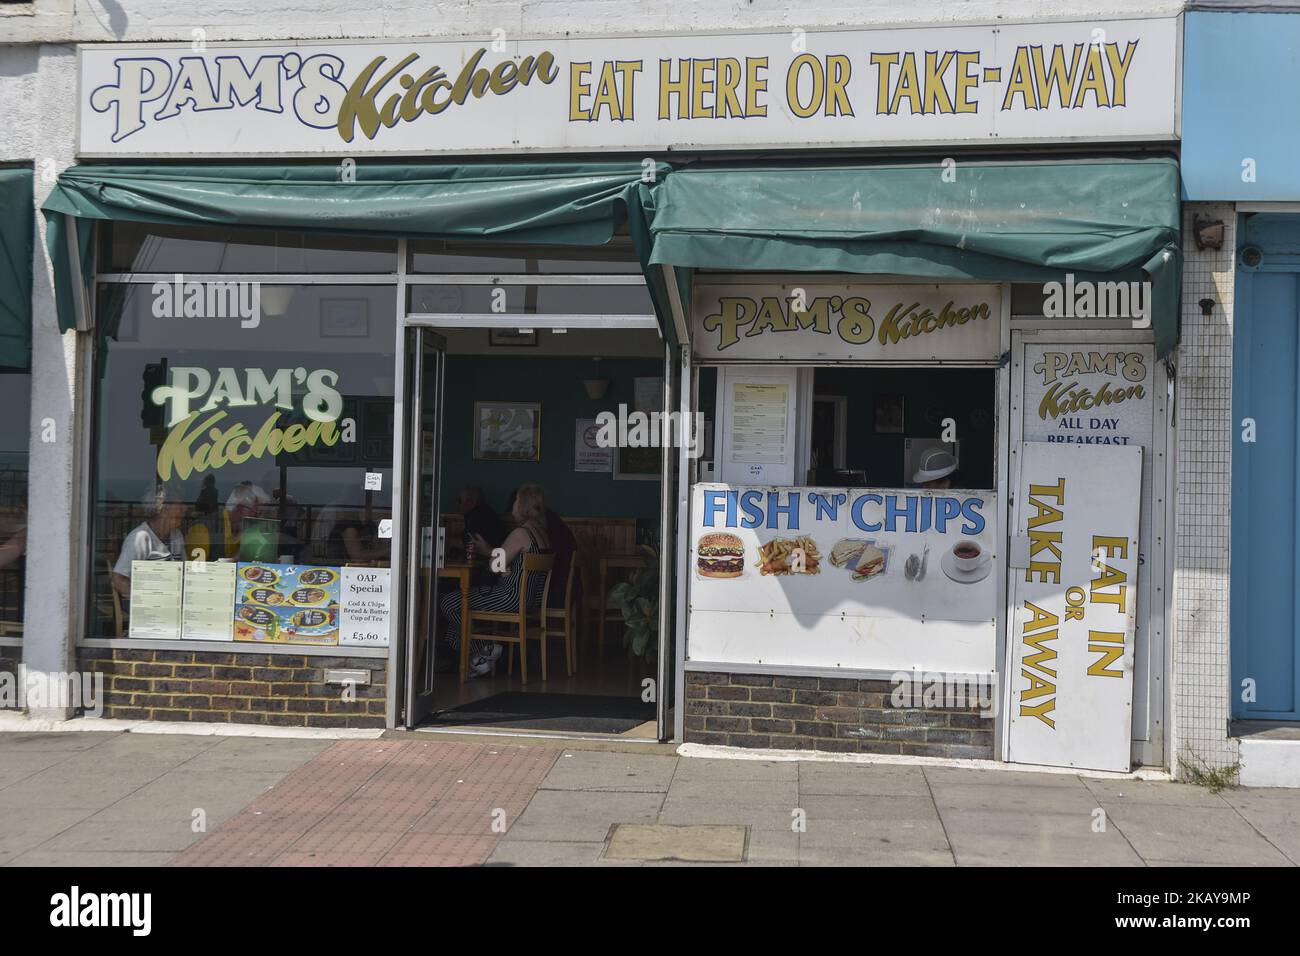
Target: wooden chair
x,y
517,621
567,616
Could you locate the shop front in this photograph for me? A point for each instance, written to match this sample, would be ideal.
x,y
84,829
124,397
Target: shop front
x,y
932,388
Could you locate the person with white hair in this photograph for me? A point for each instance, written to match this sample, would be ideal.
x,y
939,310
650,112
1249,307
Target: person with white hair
x,y
157,538
246,501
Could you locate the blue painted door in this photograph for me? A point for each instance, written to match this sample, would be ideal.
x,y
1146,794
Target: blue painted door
x,y
1266,357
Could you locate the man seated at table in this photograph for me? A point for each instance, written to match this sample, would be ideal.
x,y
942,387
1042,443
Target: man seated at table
x,y
479,517
157,538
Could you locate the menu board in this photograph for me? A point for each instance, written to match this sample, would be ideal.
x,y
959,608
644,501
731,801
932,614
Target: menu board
x,y
758,420
366,599
156,600
209,593
287,604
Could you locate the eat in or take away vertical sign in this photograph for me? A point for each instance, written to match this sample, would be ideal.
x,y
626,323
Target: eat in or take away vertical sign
x,y
1103,80
1074,588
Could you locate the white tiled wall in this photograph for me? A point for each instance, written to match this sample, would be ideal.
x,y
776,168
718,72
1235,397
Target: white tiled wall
x,y
1202,551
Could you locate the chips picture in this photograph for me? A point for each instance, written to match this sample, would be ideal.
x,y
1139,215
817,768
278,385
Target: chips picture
x,y
782,556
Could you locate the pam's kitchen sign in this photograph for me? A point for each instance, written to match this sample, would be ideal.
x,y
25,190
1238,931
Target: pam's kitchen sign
x,y
1096,80
835,321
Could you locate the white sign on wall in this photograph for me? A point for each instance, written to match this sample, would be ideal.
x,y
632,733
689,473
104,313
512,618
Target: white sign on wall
x,y
758,409
1074,599
365,603
869,579
811,321
1104,80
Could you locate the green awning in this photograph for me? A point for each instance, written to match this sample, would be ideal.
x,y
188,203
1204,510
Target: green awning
x,y
1100,219
517,203
17,228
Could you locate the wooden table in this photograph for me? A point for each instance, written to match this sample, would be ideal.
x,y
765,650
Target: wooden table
x,y
606,563
462,572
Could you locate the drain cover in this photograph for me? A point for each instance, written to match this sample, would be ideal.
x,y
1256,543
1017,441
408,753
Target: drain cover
x,y
690,844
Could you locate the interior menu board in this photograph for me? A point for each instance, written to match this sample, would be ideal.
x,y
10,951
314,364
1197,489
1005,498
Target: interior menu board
x,y
209,593
156,600
287,604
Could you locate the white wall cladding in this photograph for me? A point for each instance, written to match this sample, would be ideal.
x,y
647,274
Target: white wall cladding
x,y
1202,536
105,20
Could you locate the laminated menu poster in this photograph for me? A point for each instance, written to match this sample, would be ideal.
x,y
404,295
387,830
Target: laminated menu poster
x,y
156,600
209,593
287,604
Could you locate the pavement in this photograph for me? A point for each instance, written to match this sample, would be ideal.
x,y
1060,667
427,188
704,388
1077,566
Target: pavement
x,y
112,799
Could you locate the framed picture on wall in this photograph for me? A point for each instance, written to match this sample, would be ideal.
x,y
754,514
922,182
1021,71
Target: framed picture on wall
x,y
637,464
344,319
508,431
889,414
512,337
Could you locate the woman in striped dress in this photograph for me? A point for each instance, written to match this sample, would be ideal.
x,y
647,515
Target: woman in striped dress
x,y
502,595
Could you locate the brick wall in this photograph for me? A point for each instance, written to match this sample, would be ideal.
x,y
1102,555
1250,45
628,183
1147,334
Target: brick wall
x,y
826,713
277,689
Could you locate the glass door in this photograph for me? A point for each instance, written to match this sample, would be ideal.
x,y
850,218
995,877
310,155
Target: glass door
x,y
425,368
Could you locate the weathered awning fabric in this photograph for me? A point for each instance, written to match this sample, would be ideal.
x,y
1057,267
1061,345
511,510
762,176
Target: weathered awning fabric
x,y
17,228
517,204
1100,219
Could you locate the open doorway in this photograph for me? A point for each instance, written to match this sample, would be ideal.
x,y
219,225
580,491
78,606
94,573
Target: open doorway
x,y
532,503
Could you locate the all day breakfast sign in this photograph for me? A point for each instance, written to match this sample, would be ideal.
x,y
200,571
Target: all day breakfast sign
x,y
1087,80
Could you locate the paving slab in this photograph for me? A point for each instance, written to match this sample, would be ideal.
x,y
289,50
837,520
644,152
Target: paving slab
x,y
1152,792
578,816
1018,837
1194,834
883,854
886,780
59,742
719,809
82,859
552,853
594,770
259,753
871,823
28,827
178,794
61,788
1028,797
704,843
709,768
94,835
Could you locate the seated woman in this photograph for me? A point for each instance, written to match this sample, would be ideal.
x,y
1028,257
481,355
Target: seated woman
x,y
501,594
157,538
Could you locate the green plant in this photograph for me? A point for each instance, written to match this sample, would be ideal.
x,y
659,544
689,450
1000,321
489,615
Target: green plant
x,y
638,598
1194,769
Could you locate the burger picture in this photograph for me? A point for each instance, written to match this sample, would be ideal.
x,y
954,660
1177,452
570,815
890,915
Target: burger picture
x,y
719,555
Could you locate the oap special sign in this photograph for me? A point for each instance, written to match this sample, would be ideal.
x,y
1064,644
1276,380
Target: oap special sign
x,y
873,579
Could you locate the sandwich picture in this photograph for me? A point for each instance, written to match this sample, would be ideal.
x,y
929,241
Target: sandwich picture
x,y
870,563
846,552
719,555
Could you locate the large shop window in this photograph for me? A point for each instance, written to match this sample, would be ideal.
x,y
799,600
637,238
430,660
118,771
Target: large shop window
x,y
243,441
15,398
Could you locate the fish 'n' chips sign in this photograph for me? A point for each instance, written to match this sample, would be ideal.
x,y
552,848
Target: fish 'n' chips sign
x,y
1100,80
859,578
811,320
1070,683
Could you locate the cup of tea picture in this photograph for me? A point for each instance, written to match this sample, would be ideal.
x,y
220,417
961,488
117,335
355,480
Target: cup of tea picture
x,y
967,555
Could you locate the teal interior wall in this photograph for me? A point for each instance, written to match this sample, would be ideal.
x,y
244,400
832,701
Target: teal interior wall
x,y
556,382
